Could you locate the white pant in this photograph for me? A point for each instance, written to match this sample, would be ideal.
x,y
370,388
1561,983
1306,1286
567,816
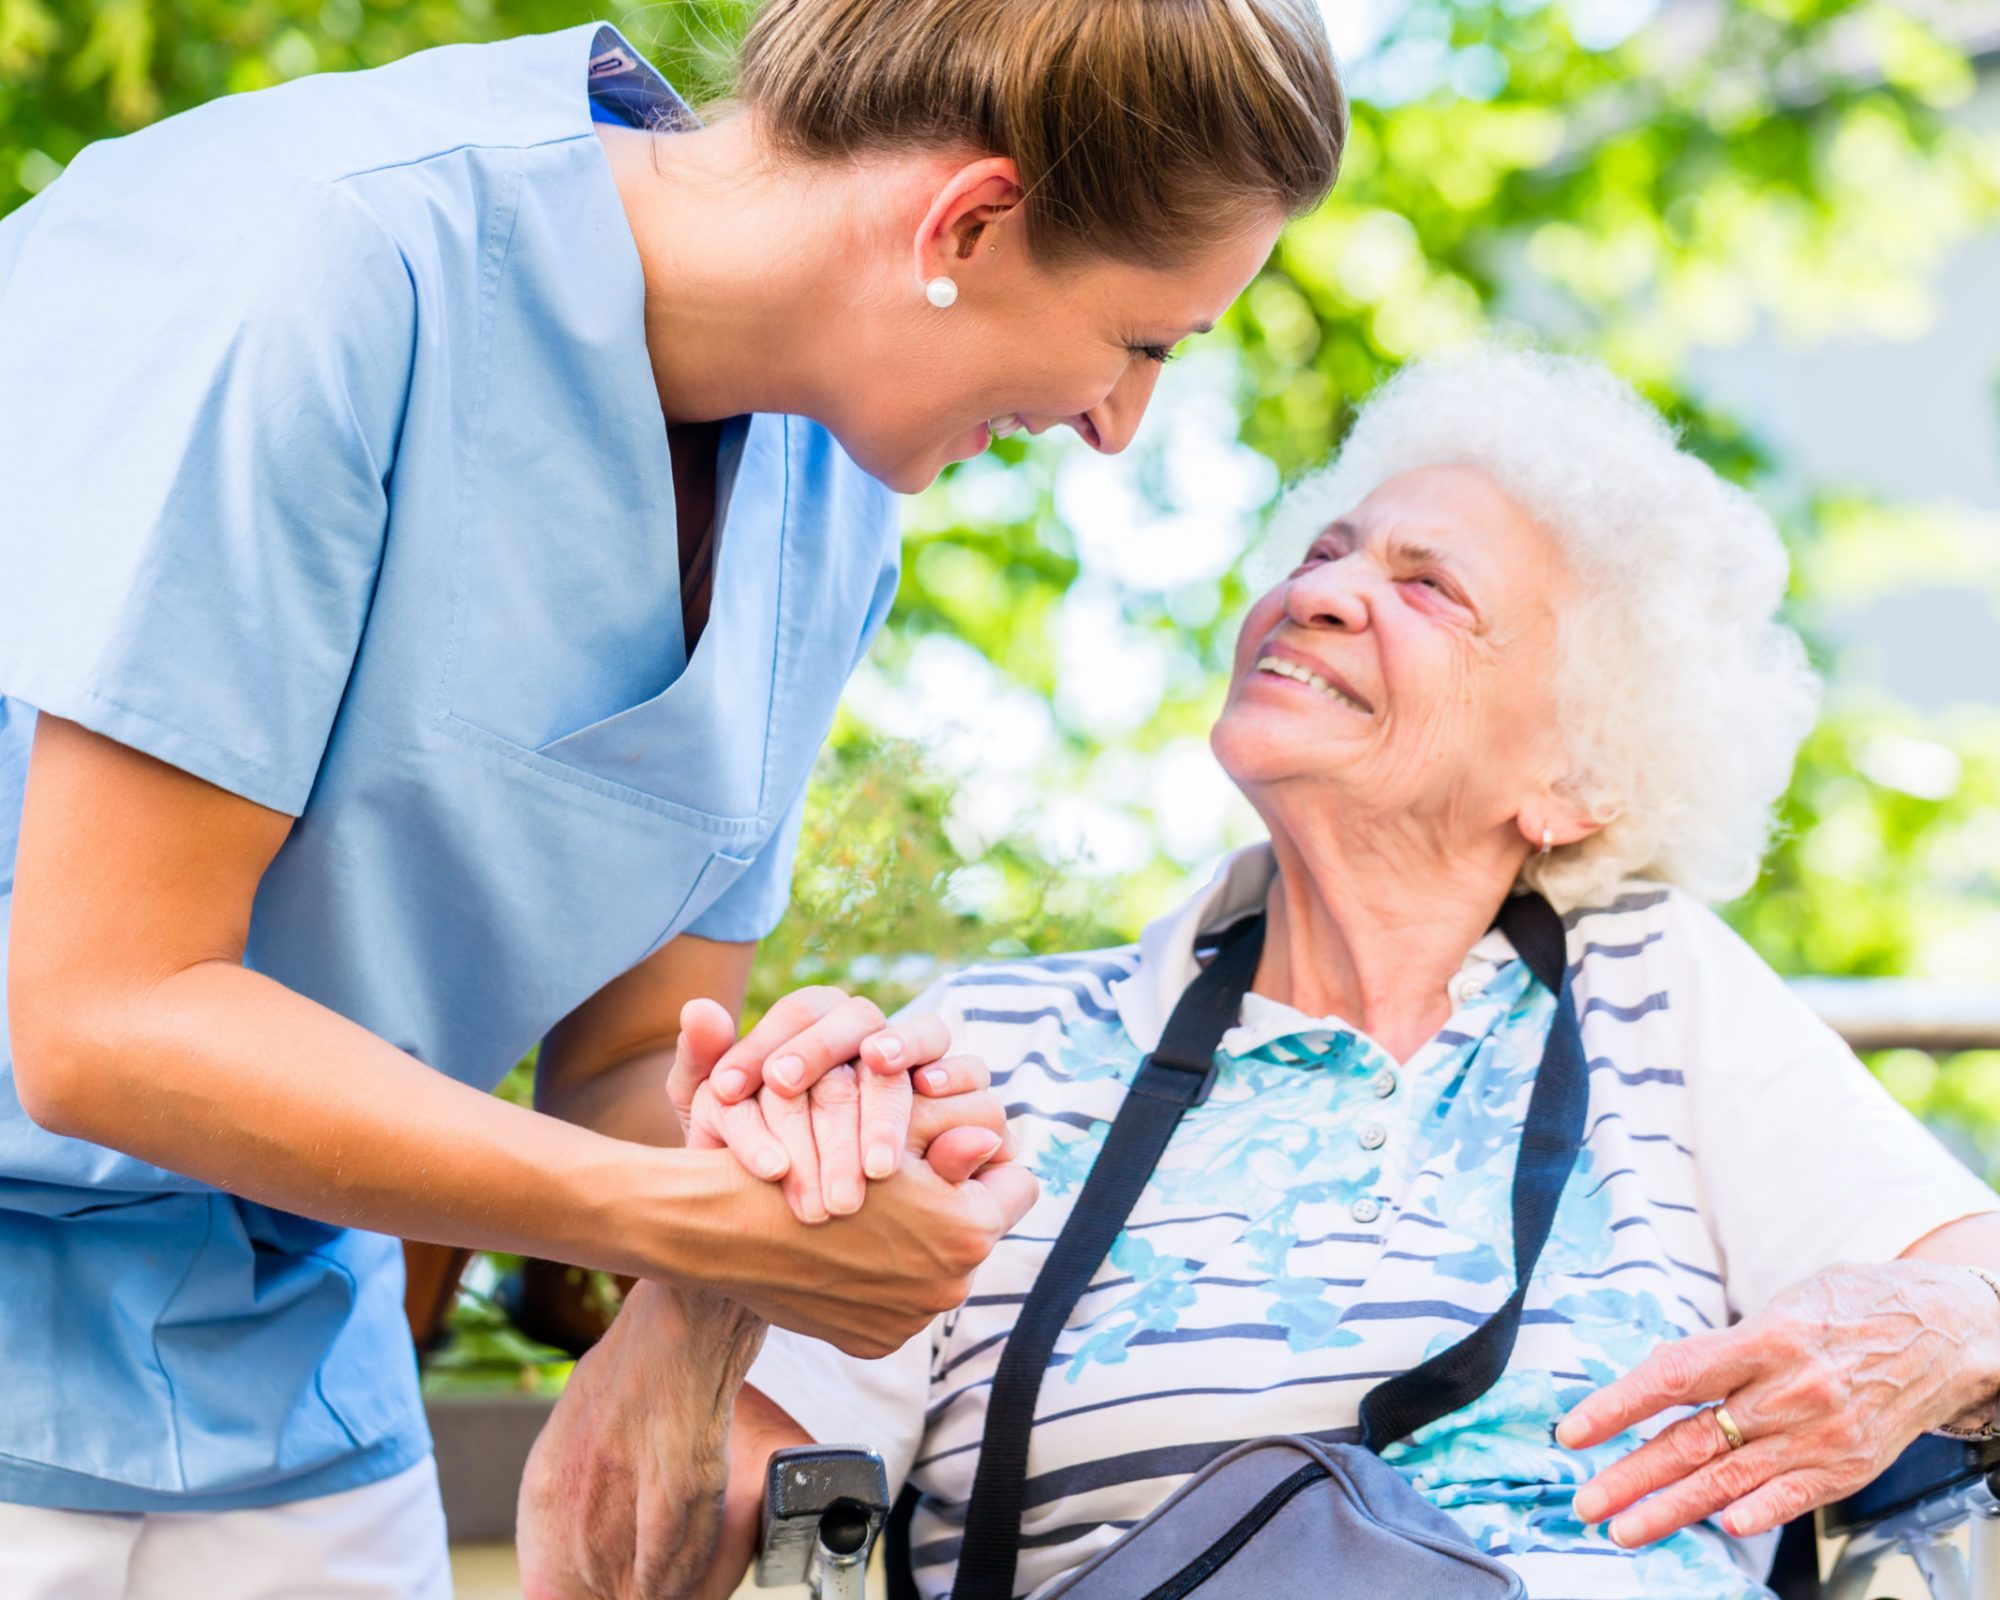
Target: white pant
x,y
383,1541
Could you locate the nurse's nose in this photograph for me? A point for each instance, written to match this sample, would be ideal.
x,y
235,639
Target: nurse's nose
x,y
1110,424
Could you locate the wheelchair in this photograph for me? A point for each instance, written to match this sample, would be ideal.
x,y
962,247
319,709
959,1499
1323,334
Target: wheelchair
x,y
1937,1508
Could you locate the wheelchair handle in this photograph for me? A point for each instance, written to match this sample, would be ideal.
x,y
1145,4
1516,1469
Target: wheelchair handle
x,y
823,1507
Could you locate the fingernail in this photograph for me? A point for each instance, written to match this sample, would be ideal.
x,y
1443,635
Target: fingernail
x,y
890,1047
771,1165
844,1197
1589,1505
729,1083
1619,1534
1569,1432
935,1078
992,1144
880,1161
785,1071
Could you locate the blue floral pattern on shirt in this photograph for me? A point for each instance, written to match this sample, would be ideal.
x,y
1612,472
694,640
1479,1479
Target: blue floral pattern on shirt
x,y
1277,1142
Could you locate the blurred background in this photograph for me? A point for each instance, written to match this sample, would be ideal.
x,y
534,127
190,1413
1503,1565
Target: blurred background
x,y
1780,217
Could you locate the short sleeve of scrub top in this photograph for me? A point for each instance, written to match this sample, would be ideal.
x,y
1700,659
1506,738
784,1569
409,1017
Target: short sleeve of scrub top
x,y
333,471
194,473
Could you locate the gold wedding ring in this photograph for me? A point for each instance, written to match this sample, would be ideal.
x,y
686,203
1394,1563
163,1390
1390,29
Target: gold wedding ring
x,y
1731,1434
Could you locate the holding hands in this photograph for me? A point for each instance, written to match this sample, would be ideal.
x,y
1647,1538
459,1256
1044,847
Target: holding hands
x,y
1802,1404
622,1494
823,1095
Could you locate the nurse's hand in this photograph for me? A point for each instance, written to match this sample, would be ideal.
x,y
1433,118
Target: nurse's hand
x,y
856,1116
958,1127
865,1283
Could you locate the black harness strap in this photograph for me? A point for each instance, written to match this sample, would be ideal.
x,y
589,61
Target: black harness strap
x,y
1176,1076
1550,1137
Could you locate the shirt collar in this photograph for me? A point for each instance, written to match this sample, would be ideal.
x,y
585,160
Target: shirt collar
x,y
1241,883
626,88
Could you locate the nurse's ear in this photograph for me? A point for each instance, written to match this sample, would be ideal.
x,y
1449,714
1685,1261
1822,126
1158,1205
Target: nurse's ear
x,y
960,228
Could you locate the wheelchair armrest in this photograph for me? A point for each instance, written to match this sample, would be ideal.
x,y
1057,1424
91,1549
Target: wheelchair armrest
x,y
1930,1467
823,1506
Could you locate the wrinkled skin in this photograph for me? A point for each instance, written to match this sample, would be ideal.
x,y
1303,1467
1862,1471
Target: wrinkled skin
x,y
622,1495
1828,1384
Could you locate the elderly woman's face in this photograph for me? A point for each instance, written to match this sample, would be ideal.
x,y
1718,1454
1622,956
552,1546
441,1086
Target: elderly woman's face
x,y
1407,661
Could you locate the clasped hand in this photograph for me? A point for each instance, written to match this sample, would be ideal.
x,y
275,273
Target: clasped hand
x,y
823,1095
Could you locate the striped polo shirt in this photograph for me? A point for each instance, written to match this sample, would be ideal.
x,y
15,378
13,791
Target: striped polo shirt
x,y
1330,1216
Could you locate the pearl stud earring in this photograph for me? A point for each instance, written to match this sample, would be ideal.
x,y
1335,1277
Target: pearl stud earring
x,y
941,292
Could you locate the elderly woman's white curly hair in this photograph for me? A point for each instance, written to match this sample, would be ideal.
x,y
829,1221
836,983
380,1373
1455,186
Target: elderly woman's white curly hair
x,y
1683,699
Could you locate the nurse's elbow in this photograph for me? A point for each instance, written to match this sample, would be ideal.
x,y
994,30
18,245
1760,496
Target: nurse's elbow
x,y
61,1061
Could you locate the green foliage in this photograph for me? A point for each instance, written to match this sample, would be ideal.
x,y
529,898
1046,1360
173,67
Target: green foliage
x,y
883,901
1887,858
486,1352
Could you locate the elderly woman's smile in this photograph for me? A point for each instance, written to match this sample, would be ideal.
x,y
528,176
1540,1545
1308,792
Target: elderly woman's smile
x,y
1295,668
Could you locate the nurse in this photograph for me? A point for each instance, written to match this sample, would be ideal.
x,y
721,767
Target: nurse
x,y
439,508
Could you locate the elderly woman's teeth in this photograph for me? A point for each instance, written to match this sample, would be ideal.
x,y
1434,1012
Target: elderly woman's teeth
x,y
1305,675
1000,427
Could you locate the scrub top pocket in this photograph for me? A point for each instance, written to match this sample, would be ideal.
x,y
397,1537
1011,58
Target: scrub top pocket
x,y
617,705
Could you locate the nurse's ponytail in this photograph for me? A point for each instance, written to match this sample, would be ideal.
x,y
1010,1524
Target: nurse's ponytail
x,y
1142,128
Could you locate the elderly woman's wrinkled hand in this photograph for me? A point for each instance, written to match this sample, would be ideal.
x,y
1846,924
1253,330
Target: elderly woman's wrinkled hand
x,y
619,1495
1825,1387
864,1092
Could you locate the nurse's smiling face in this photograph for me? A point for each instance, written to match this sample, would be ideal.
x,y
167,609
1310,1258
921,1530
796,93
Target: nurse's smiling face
x,y
792,285
1026,347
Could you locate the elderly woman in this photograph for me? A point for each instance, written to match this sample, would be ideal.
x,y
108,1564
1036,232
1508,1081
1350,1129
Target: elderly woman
x,y
1527,642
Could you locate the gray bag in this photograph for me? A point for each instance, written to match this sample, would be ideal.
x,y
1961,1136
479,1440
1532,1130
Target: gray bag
x,y
1289,1518
1290,1515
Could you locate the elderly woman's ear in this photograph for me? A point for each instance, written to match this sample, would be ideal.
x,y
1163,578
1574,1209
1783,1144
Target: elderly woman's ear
x,y
1551,827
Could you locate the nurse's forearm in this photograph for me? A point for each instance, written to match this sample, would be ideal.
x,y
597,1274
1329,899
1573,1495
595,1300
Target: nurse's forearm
x,y
225,1075
626,1101
605,1065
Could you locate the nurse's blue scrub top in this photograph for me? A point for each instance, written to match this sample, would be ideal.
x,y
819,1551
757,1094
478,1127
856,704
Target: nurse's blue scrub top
x,y
332,470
